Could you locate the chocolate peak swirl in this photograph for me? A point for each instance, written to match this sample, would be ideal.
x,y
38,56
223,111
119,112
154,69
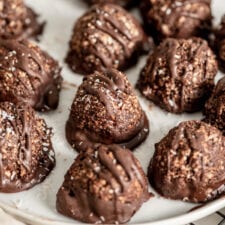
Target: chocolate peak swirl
x,y
17,20
106,110
106,36
26,152
179,75
178,18
105,184
189,163
29,75
215,107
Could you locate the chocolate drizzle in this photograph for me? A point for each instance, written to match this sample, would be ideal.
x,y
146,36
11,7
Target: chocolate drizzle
x,y
185,163
179,75
24,54
26,153
178,19
113,81
22,137
214,110
18,21
89,49
105,110
121,172
43,80
118,33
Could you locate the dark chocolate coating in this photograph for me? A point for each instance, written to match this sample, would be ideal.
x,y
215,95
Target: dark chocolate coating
x,y
28,74
189,163
26,152
104,37
177,18
105,184
179,75
106,110
220,44
123,3
17,20
215,107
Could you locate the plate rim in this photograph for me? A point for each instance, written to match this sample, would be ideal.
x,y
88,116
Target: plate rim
x,y
203,211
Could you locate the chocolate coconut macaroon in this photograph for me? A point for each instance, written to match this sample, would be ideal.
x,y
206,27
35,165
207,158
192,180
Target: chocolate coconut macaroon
x,y
215,108
26,152
179,75
189,163
105,184
177,18
17,20
28,74
106,36
106,110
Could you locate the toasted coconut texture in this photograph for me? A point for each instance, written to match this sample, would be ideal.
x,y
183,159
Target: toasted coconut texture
x,y
17,20
106,36
28,74
179,75
26,152
215,108
105,184
106,110
189,163
177,18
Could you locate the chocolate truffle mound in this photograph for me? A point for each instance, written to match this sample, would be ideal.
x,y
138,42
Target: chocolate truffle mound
x,y
189,163
105,184
215,107
106,36
124,3
220,44
106,110
17,20
179,75
178,18
26,152
29,75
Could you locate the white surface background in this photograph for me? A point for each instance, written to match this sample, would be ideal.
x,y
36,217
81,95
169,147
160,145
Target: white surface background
x,y
37,205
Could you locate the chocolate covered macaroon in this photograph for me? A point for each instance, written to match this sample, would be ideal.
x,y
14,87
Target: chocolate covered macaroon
x,y
215,107
124,3
28,74
106,110
105,184
189,163
26,152
179,75
105,36
177,18
17,20
220,43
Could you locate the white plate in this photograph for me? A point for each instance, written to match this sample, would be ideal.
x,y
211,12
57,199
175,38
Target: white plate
x,y
37,206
